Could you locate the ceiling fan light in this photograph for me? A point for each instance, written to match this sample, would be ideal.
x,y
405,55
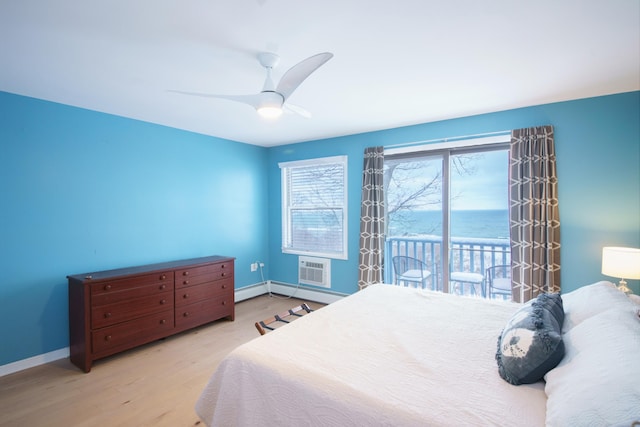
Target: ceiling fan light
x,y
270,111
270,105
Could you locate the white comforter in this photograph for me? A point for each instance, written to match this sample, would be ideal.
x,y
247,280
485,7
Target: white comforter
x,y
385,356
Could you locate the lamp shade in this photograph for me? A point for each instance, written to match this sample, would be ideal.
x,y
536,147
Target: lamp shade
x,y
623,263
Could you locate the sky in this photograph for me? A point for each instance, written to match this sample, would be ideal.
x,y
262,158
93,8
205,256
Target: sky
x,y
487,188
484,187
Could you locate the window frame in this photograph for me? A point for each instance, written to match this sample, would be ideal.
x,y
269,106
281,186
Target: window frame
x,y
287,225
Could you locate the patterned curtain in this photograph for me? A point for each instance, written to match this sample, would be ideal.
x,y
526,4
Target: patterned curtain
x,y
372,219
533,211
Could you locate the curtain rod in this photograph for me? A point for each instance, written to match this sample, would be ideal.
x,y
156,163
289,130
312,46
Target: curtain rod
x,y
450,139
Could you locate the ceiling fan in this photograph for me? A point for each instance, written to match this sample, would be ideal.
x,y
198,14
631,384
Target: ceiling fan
x,y
272,99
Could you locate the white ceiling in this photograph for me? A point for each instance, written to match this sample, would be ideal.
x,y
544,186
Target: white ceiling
x,y
396,63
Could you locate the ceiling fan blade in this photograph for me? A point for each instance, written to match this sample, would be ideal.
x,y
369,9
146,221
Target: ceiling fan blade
x,y
253,100
291,108
299,72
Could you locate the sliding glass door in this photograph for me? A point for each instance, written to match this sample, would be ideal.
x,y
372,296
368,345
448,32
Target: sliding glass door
x,y
415,224
479,218
449,209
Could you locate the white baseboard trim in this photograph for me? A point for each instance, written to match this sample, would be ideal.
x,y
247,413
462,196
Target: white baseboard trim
x,y
304,293
40,359
241,294
250,291
288,290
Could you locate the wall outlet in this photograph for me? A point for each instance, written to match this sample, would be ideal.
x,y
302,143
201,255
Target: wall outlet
x,y
254,266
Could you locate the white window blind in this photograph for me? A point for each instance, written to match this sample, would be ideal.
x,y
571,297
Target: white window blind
x,y
314,207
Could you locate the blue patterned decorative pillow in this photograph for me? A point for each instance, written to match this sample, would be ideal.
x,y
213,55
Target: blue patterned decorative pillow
x,y
531,343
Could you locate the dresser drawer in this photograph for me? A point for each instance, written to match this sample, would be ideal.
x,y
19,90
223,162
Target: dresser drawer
x,y
204,311
110,314
125,335
191,294
202,274
129,294
102,287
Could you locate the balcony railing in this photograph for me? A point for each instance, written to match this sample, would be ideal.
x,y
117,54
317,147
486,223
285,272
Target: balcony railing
x,y
467,254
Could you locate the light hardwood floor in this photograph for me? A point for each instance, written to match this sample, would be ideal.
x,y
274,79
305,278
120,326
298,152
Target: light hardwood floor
x,y
153,385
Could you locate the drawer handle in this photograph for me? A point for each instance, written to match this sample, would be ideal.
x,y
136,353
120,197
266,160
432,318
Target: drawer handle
x,y
163,321
107,287
224,286
186,273
107,315
163,277
186,282
107,338
185,296
162,301
223,274
163,287
185,314
224,303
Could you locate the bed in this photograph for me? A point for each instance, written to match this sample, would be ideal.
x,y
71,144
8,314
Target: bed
x,y
395,356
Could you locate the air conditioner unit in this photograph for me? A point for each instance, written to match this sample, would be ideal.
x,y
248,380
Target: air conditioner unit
x,y
314,271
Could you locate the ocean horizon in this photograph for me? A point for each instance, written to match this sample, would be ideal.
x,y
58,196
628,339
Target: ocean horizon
x,y
490,223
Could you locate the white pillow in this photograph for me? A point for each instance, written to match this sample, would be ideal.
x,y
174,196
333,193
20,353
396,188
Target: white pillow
x,y
598,381
590,300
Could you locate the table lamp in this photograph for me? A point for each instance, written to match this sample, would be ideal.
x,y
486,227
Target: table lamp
x,y
623,263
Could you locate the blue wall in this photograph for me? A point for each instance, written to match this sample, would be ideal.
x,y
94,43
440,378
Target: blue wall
x,y
84,191
598,155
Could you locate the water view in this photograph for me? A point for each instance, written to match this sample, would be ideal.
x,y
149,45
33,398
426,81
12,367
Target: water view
x,y
489,224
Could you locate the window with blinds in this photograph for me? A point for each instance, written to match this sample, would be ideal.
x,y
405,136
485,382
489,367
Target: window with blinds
x,y
314,207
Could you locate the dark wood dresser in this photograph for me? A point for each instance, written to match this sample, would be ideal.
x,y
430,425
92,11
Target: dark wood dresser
x,y
115,310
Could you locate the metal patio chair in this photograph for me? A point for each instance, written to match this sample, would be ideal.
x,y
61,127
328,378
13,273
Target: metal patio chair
x,y
498,281
412,271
